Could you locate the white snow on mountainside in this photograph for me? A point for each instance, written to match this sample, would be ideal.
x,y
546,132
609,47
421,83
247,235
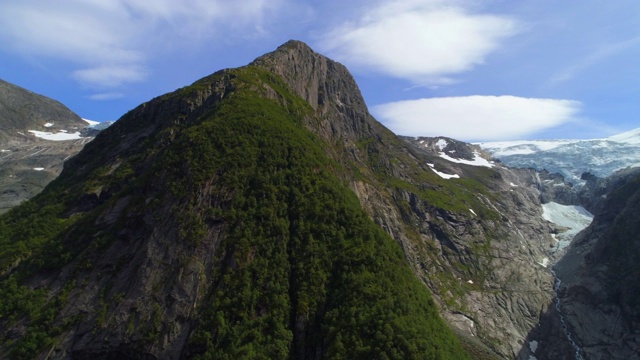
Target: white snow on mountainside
x,y
571,158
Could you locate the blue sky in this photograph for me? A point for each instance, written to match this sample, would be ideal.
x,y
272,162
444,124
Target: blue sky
x,y
472,70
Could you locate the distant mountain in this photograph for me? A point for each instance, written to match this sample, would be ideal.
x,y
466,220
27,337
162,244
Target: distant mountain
x,y
571,158
37,134
22,110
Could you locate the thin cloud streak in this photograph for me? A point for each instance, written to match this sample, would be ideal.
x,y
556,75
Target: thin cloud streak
x,y
476,118
106,96
596,57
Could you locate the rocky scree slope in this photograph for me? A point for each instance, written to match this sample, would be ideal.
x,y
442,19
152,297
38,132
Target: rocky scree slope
x,y
29,163
211,223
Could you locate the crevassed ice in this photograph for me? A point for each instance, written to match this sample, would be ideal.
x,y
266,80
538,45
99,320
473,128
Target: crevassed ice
x,y
576,218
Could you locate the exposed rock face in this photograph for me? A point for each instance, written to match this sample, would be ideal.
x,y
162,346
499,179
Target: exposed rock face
x,y
599,274
29,163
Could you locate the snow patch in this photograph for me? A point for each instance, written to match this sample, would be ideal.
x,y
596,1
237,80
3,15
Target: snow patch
x,y
441,144
4,151
443,175
473,212
446,176
544,262
574,218
48,125
60,136
533,345
470,281
91,122
477,160
38,169
513,185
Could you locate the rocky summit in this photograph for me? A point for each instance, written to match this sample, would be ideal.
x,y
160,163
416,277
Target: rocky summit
x,y
262,212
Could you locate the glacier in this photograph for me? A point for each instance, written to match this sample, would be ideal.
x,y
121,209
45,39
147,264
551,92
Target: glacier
x,y
570,158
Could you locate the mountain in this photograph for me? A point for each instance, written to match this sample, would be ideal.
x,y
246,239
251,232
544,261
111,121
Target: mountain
x,y
36,135
476,239
571,158
22,110
263,212
217,221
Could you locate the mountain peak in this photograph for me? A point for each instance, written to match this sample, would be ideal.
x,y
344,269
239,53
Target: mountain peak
x,y
326,85
296,44
313,76
23,110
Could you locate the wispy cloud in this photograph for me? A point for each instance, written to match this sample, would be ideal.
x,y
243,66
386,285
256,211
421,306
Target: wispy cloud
x,y
425,42
106,96
111,41
111,76
475,118
599,55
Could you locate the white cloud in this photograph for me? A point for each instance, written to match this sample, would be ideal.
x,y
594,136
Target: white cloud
x,y
111,41
475,118
111,76
423,41
106,96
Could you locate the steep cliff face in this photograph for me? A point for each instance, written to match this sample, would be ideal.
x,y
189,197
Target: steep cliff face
x,y
598,293
28,163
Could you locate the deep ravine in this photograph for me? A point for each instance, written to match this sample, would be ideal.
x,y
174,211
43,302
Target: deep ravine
x,y
557,283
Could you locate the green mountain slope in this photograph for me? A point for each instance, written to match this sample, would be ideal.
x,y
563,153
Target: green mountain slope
x,y
210,223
